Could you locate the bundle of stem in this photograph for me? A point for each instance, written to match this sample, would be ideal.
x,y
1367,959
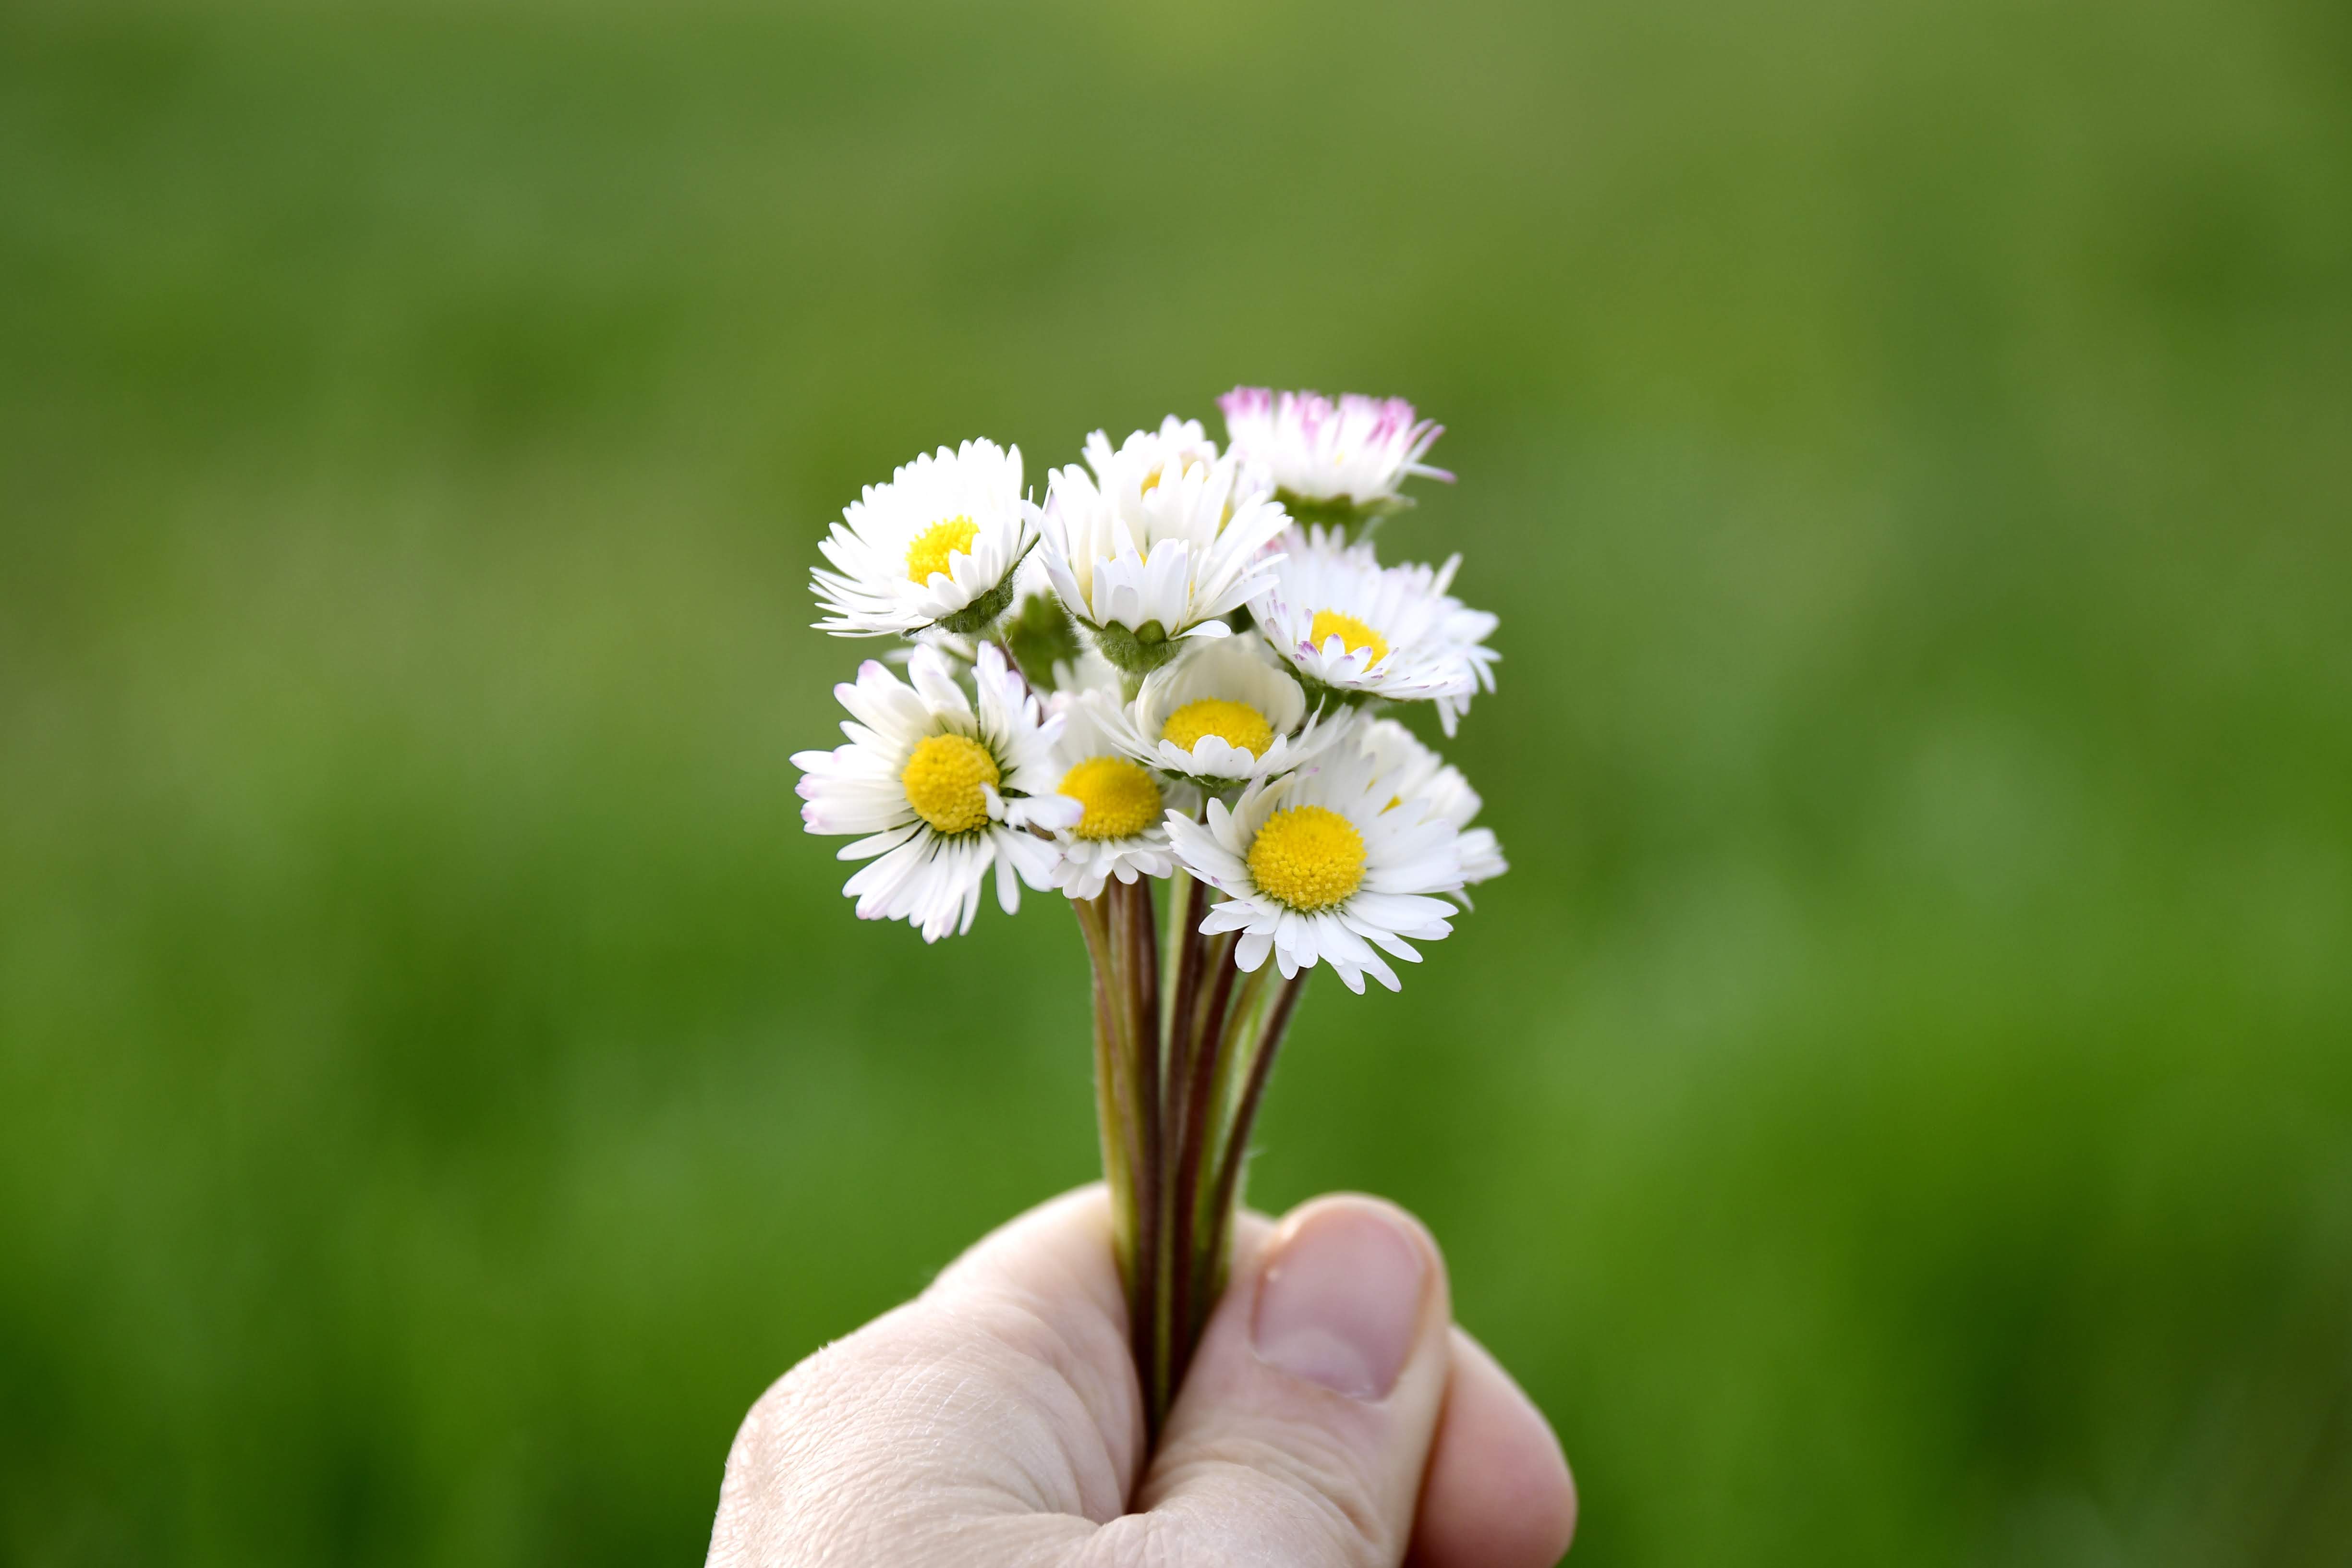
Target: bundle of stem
x,y
1184,1042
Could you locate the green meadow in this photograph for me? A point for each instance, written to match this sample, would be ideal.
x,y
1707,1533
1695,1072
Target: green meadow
x,y
1899,1108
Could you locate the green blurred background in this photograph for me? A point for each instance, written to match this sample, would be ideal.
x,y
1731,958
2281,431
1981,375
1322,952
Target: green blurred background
x,y
1899,1108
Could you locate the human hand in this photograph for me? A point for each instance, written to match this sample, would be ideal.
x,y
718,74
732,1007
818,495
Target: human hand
x,y
1332,1416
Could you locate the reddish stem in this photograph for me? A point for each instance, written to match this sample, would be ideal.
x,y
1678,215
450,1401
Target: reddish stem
x,y
1236,1150
1188,1289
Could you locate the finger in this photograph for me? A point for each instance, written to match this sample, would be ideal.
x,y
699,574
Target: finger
x,y
1006,1388
1303,1429
1498,1493
1047,1285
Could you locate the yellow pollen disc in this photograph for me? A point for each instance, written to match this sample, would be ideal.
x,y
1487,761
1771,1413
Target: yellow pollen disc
x,y
1349,630
932,547
1309,857
1121,799
1151,480
1235,723
946,781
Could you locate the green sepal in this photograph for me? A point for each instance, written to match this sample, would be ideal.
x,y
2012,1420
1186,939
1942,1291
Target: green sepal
x,y
989,609
1322,698
982,612
1352,521
1135,653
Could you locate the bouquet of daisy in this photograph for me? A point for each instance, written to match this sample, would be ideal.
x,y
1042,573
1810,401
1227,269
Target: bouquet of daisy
x,y
1170,694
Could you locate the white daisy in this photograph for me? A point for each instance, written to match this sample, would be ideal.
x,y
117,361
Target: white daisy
x,y
1160,539
1467,630
1221,713
1482,858
1317,866
1121,834
1354,454
1411,770
937,546
942,793
1358,629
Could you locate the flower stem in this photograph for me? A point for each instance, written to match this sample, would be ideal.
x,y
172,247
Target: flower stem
x,y
1225,1190
1179,1138
1191,1297
1115,1100
1209,1019
1134,951
1177,1092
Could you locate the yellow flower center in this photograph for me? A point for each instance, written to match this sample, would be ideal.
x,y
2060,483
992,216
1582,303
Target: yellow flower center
x,y
1121,799
932,547
946,781
1356,636
1184,466
1235,723
1309,857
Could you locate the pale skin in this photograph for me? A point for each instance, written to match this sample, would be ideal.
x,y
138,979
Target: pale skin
x,y
1335,1418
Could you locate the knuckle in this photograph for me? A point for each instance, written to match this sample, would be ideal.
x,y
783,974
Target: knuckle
x,y
1304,1487
1135,1540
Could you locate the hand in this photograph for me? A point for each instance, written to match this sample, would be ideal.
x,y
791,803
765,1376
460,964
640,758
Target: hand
x,y
1333,1416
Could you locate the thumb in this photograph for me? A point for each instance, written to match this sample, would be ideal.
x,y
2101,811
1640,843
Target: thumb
x,y
1303,1429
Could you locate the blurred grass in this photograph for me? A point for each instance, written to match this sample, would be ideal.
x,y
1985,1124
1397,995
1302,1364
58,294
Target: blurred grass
x,y
1898,1109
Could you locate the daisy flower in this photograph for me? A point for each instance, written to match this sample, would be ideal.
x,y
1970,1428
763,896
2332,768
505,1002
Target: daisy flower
x,y
1318,866
1222,713
1120,833
1411,770
1355,628
937,546
942,793
1161,539
1352,455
